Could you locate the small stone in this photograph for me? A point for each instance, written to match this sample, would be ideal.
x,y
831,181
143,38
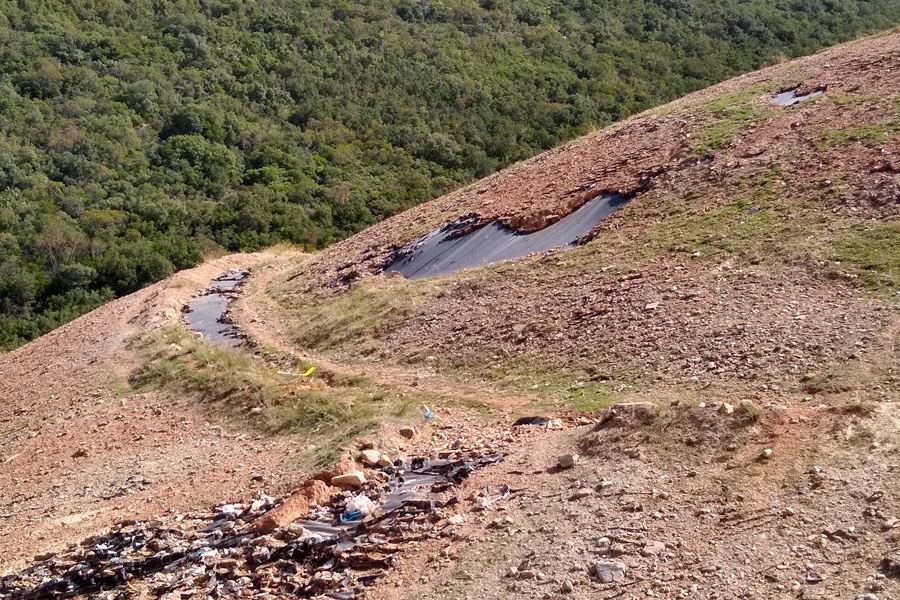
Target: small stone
x,y
866,597
502,523
352,480
890,523
527,574
726,409
568,587
457,520
384,461
80,453
766,454
567,461
581,493
408,432
370,458
512,573
653,549
609,571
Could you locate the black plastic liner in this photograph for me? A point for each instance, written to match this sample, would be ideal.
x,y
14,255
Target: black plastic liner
x,y
446,251
207,314
790,97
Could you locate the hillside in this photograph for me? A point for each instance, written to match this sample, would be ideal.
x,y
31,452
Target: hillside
x,y
139,137
720,350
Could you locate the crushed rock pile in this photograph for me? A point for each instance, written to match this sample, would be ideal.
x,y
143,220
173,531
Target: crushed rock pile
x,y
319,541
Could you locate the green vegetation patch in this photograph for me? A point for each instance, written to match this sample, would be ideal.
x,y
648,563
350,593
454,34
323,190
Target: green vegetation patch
x,y
733,114
554,385
352,319
237,388
872,251
871,133
767,222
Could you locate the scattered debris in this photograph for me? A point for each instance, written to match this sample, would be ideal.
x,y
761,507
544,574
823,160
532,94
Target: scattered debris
x,y
255,549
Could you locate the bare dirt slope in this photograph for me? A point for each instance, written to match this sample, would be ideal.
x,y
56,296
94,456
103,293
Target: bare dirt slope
x,y
79,451
759,251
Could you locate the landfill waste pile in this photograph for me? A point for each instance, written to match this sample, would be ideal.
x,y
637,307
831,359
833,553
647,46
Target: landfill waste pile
x,y
243,550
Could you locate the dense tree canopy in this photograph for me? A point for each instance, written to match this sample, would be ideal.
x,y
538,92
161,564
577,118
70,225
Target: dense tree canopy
x,y
139,135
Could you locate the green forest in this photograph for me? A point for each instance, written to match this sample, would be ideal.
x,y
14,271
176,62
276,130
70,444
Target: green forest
x,y
140,136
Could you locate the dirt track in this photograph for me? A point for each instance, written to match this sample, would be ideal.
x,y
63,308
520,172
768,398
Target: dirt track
x,y
143,455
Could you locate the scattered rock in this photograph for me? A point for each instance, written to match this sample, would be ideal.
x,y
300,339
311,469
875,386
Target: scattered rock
x,y
408,432
567,586
502,523
726,409
370,458
890,567
294,508
317,492
766,454
567,461
457,519
890,523
80,453
349,480
609,571
866,597
653,549
581,493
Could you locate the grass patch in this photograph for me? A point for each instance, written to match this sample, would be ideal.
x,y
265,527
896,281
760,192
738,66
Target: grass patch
x,y
875,134
873,253
825,383
524,374
231,381
592,396
763,224
733,114
247,393
118,390
362,313
872,134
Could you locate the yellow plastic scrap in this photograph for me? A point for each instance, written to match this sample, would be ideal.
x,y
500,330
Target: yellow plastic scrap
x,y
309,372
